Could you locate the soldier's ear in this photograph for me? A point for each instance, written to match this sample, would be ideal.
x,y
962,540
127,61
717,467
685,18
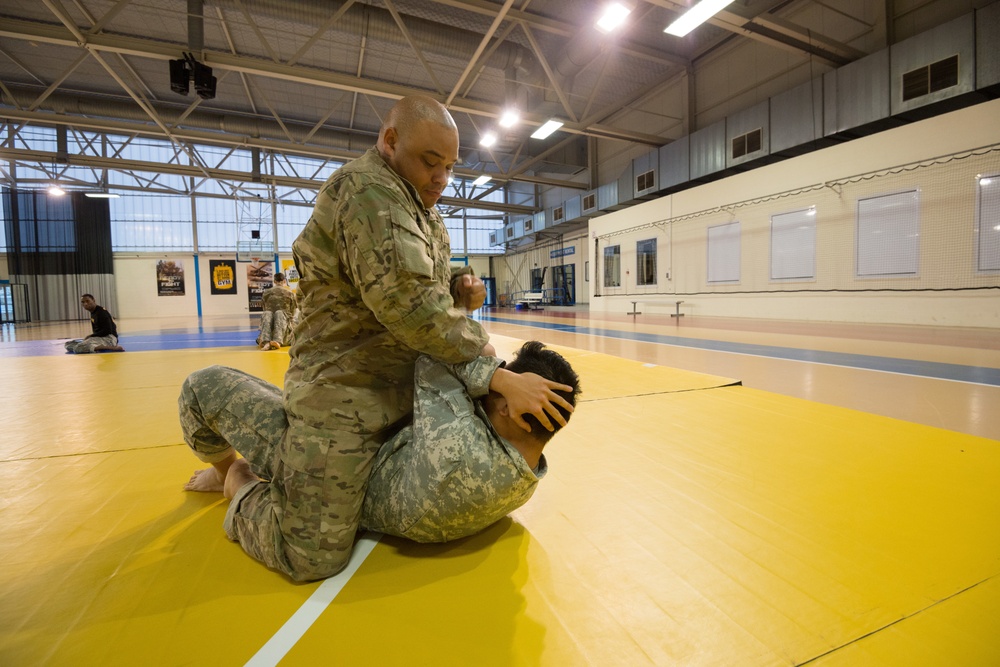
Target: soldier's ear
x,y
502,407
389,140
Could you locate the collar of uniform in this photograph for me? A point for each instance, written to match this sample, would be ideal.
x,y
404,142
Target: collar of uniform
x,y
404,184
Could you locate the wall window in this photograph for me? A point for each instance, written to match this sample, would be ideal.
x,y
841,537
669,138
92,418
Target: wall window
x,y
147,223
645,262
612,266
291,219
988,224
793,245
218,218
724,253
888,235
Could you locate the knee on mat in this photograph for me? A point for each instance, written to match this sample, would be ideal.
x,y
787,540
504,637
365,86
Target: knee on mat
x,y
307,570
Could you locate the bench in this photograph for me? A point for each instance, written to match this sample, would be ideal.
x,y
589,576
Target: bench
x,y
530,300
677,309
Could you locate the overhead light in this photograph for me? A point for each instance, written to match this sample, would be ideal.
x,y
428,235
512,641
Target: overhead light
x,y
482,180
56,191
545,130
488,139
101,195
509,118
695,16
614,15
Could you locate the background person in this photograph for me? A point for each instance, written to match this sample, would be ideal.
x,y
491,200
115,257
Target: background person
x,y
105,332
279,312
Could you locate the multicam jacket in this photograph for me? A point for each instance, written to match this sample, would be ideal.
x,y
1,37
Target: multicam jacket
x,y
449,474
279,298
374,293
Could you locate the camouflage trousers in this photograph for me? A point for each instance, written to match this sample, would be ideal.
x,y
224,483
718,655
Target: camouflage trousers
x,y
302,518
275,325
87,345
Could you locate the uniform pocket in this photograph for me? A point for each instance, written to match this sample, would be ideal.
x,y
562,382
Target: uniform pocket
x,y
410,244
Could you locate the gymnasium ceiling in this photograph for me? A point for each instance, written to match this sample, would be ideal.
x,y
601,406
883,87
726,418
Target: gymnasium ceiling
x,y
315,77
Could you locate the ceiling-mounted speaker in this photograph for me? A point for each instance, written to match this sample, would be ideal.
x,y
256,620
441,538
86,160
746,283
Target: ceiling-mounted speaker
x,y
179,77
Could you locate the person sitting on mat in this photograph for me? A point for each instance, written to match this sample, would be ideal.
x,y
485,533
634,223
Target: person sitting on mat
x,y
466,460
279,311
105,332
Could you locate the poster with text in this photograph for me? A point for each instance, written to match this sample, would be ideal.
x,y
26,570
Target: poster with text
x,y
170,277
260,276
223,276
291,273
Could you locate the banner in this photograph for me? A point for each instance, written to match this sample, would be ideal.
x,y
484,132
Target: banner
x,y
170,277
223,276
260,276
291,273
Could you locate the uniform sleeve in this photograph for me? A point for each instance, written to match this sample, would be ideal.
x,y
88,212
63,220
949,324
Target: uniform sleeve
x,y
475,375
392,264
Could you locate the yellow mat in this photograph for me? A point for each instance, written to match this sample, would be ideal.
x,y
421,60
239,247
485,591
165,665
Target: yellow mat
x,y
683,521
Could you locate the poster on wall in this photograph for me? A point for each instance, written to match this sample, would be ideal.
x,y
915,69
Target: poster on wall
x,y
260,276
223,276
170,277
291,273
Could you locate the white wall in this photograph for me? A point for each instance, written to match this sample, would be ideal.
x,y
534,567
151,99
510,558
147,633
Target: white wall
x,y
135,277
962,130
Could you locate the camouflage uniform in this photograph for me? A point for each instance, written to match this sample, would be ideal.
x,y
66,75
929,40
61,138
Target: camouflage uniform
x,y
276,320
374,293
447,475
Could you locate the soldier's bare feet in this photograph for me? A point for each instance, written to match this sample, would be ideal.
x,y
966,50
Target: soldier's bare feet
x,y
208,480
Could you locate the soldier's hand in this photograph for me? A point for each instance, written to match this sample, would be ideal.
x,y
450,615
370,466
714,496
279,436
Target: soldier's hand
x,y
470,293
528,393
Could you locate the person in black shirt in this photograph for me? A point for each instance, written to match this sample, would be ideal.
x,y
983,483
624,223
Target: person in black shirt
x,y
105,335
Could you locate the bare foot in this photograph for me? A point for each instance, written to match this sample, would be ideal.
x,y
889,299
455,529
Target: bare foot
x,y
275,345
208,480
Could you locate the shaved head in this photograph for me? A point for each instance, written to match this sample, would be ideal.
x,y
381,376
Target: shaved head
x,y
419,141
409,111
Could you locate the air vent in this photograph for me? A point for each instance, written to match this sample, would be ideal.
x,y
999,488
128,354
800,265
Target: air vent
x,y
589,202
748,143
510,232
557,214
493,238
528,225
930,78
644,181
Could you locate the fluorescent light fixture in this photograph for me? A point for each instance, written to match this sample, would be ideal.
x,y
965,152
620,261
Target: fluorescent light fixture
x,y
56,191
488,139
695,16
482,180
985,181
101,195
545,130
509,118
614,15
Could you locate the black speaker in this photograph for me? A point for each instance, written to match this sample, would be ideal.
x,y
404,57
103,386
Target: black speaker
x,y
179,77
204,82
